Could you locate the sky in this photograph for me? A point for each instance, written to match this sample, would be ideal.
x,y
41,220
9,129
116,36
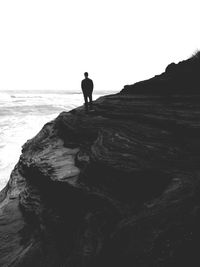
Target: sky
x,y
49,44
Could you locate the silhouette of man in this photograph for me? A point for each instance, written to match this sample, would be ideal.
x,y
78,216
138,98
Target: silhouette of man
x,y
87,89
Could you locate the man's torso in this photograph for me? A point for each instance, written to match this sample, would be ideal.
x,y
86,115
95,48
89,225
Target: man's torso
x,y
87,86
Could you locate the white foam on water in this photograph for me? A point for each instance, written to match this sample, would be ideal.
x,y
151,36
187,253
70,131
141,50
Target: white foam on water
x,y
13,137
5,97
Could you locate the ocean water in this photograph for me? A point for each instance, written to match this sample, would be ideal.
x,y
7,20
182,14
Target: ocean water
x,y
22,115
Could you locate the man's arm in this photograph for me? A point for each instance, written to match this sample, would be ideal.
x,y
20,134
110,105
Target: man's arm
x,y
92,84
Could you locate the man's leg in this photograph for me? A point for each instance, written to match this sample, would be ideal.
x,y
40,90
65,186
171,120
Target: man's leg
x,y
90,99
86,102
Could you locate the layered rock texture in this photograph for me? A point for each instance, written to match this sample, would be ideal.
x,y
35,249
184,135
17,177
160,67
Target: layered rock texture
x,y
119,186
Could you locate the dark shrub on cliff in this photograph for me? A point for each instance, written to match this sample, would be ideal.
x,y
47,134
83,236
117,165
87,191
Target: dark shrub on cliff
x,y
170,68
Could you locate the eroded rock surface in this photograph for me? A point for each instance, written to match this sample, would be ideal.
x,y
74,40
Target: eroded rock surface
x,y
116,187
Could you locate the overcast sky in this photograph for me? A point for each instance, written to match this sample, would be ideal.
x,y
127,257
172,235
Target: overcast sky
x,y
48,44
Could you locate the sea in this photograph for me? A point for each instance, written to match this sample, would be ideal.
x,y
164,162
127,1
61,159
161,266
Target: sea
x,y
22,115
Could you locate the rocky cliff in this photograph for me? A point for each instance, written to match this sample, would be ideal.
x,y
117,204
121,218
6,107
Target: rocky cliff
x,y
116,187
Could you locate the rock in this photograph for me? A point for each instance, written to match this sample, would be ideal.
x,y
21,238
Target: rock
x,y
116,187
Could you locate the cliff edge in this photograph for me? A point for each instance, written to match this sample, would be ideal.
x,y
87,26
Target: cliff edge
x,y
116,187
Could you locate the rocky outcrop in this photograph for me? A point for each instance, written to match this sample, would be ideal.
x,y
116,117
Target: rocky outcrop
x,y
181,78
119,186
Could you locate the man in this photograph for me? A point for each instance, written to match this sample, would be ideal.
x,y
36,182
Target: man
x,y
87,89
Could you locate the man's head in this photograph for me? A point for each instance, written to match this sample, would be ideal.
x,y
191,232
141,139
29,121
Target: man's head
x,y
86,74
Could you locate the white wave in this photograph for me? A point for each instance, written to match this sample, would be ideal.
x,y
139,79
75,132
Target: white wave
x,y
13,137
5,97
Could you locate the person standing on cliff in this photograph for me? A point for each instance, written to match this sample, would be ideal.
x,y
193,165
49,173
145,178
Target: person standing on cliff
x,y
87,89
